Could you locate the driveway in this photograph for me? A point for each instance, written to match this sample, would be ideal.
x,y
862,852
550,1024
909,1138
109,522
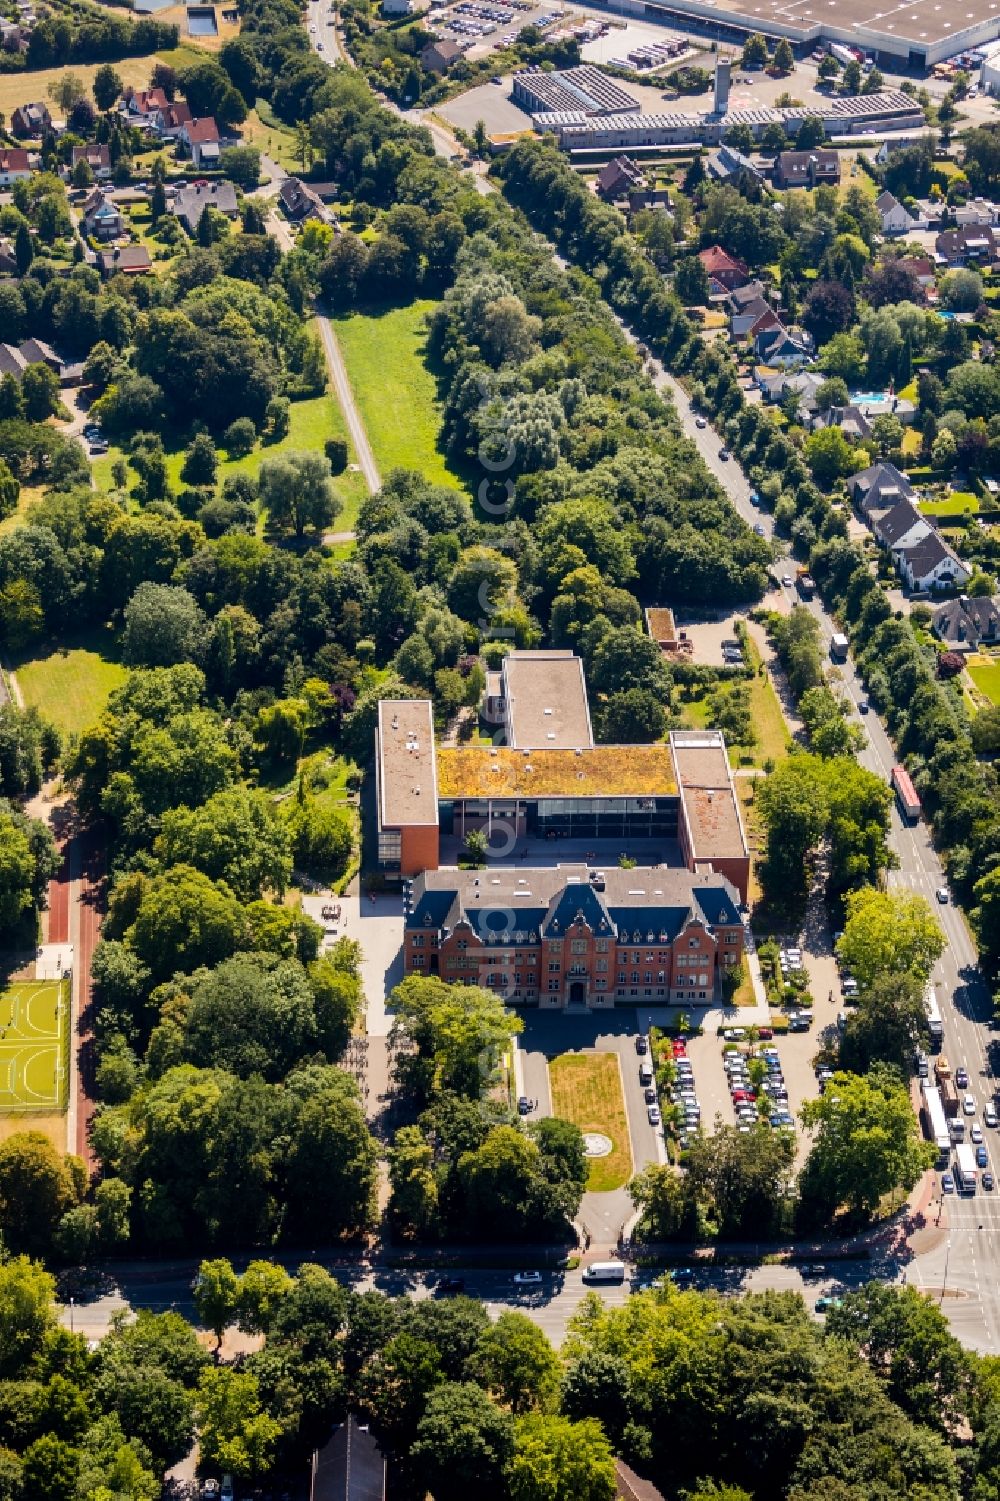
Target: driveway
x,y
378,927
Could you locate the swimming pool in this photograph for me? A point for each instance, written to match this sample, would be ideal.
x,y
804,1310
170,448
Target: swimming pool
x,y
201,21
865,398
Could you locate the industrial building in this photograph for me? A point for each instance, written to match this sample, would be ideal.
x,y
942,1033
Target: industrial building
x,y
890,110
913,35
584,90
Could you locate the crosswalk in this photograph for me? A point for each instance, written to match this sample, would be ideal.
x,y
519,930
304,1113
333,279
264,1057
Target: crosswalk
x,y
969,1213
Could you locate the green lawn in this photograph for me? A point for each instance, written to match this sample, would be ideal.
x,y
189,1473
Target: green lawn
x,y
385,355
986,676
312,422
29,496
587,1090
70,686
955,504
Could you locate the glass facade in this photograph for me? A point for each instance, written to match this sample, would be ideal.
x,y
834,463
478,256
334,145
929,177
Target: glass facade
x,y
604,817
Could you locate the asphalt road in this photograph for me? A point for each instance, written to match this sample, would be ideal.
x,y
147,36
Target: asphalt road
x,y
551,1308
966,1265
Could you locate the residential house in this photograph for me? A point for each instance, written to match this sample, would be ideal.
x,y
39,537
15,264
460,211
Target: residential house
x,y
12,38
437,57
805,384
931,564
101,216
141,106
8,258
201,138
169,121
850,419
632,1487
14,165
964,624
301,202
618,177
750,292
777,345
190,203
901,527
97,155
752,318
727,165
806,169
725,271
130,260
30,120
640,198
12,361
896,220
921,269
971,242
978,211
879,487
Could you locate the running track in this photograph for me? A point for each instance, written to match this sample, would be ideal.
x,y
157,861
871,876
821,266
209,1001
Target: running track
x,y
89,910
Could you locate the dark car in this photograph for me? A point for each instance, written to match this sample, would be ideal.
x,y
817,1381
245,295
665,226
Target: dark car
x,y
524,1106
450,1285
987,1181
863,705
759,529
641,1045
650,1095
724,454
681,1276
962,1078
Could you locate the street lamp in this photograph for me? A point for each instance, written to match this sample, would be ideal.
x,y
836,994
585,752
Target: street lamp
x,y
944,1279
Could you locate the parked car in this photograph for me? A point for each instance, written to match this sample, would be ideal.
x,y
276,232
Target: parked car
x,y
825,1303
653,1113
650,1096
527,1279
524,1105
947,1183
990,1115
641,1045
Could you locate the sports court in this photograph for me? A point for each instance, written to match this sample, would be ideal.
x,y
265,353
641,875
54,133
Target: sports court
x,y
34,1045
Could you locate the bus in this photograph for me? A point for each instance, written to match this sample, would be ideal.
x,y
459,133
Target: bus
x,y
935,1025
906,795
936,1122
965,1169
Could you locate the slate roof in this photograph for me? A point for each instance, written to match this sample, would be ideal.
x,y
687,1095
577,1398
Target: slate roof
x,y
895,524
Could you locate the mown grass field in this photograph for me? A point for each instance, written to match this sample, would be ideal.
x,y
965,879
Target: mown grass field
x,y
22,88
396,393
955,504
587,1089
985,673
71,685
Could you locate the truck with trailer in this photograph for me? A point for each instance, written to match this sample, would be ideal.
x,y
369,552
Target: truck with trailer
x,y
935,1025
906,794
965,1169
935,1121
844,55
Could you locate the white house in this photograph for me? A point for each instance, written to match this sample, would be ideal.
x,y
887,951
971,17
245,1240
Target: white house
x,y
14,165
931,564
902,527
896,220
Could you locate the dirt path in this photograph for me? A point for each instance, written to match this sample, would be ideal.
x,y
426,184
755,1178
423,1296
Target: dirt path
x,y
342,386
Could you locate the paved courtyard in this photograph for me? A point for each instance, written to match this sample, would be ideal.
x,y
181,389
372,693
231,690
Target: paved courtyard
x,y
378,927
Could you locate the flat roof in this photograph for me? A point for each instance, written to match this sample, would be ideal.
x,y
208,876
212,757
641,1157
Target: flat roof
x,y
406,763
923,22
707,794
545,697
602,771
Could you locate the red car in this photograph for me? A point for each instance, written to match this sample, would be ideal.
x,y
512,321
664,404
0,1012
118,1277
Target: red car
x,y
744,1097
765,1033
679,1047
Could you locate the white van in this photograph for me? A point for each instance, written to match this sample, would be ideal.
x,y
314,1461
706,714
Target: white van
x,y
604,1271
645,1074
